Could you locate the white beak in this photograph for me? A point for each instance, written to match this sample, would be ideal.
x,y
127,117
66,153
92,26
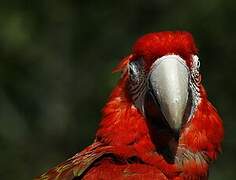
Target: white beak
x,y
168,79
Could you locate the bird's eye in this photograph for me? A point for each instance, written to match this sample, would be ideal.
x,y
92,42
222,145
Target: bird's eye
x,y
198,64
135,70
195,70
131,70
133,73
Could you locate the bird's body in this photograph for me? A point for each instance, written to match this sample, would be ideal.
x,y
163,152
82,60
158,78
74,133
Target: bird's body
x,y
139,136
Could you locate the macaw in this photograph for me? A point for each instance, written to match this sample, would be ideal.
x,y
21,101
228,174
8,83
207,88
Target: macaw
x,y
158,122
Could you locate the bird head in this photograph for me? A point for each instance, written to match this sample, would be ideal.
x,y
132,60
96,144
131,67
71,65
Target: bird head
x,y
163,78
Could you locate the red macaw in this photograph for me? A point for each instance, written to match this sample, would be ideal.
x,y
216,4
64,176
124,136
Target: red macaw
x,y
157,123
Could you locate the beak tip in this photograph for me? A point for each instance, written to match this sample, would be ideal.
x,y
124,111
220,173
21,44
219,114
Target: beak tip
x,y
173,117
176,127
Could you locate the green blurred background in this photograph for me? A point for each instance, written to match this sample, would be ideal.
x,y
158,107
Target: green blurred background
x,y
55,71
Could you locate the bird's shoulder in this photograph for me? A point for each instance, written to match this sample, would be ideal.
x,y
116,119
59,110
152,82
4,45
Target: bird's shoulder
x,y
107,169
75,166
105,162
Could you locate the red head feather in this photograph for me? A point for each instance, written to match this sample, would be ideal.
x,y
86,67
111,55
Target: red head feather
x,y
154,45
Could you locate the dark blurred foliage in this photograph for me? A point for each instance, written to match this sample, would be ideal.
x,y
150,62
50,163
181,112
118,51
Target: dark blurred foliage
x,y
55,71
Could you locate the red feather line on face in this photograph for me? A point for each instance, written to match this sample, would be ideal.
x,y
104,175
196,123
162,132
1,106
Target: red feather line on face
x,y
124,147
